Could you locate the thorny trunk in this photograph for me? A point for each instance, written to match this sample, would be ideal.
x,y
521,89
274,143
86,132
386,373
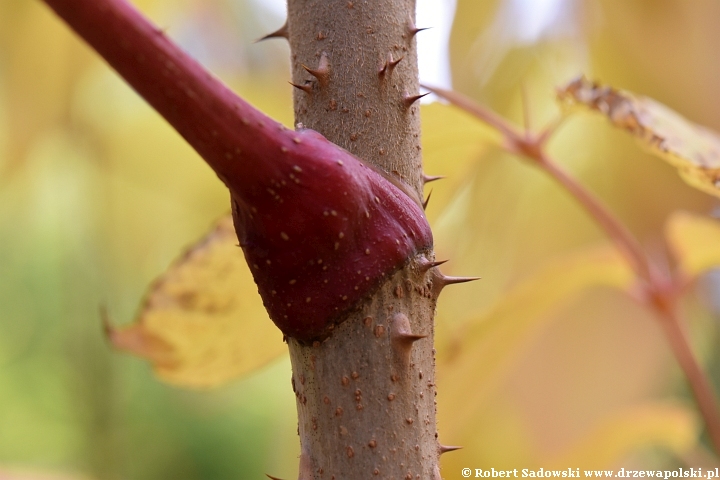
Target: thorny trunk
x,y
366,396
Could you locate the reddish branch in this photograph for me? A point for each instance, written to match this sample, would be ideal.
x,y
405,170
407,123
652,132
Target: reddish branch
x,y
659,293
199,106
333,243
531,147
674,328
320,228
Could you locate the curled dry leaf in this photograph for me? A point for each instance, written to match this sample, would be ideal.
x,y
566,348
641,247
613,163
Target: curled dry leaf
x,y
692,149
202,322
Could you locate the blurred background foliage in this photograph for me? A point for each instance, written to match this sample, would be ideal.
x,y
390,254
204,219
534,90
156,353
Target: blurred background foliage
x,y
98,195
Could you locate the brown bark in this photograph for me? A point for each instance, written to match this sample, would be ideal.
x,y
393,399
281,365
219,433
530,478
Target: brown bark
x,y
366,395
356,106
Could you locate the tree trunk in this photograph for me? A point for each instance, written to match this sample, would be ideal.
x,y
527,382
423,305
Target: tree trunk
x,y
366,395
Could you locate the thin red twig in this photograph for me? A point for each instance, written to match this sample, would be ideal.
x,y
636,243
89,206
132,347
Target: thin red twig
x,y
661,294
487,116
620,235
531,147
699,384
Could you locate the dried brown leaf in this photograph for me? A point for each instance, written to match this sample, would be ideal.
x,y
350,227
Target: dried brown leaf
x,y
692,149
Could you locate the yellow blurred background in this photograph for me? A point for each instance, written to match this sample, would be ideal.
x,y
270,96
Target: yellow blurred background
x,y
98,195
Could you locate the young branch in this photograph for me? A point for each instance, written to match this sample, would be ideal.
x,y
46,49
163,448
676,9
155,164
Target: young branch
x,y
673,325
659,294
365,397
615,230
341,253
531,147
211,118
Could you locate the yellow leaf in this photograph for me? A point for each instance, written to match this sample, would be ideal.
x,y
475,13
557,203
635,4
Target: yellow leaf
x,y
695,242
453,142
692,149
671,427
499,439
488,342
202,323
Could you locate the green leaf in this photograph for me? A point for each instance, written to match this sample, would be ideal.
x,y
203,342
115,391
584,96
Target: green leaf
x,y
453,142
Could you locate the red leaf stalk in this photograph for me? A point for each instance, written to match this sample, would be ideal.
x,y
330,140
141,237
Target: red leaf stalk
x,y
319,228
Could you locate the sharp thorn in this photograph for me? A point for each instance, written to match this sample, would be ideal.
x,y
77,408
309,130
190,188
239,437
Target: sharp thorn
x,y
427,200
426,264
389,65
309,70
437,264
402,338
441,281
447,280
428,178
322,72
403,342
410,99
271,477
412,29
393,63
305,88
321,76
448,448
408,338
281,32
